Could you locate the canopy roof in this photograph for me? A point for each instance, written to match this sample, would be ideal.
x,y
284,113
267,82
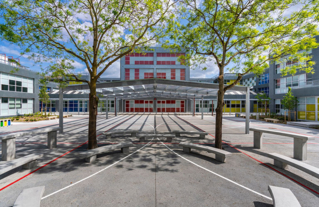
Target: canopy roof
x,y
155,88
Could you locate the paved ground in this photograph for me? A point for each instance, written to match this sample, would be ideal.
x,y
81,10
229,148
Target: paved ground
x,y
157,173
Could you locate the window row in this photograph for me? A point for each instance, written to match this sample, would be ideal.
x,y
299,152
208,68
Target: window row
x,y
171,74
263,79
169,54
140,55
265,90
166,63
144,62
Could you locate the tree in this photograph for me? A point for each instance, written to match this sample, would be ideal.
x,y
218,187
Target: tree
x,y
43,95
96,33
243,37
289,102
263,97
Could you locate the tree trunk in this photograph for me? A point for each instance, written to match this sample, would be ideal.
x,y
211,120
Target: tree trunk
x,y
265,108
45,111
42,108
92,142
289,117
219,117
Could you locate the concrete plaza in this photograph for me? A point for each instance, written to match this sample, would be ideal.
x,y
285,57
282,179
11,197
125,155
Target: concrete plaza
x,y
155,173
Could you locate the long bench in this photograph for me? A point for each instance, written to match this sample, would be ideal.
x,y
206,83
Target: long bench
x,y
201,134
90,155
283,197
300,141
169,137
30,197
221,155
272,120
282,161
9,141
131,133
27,162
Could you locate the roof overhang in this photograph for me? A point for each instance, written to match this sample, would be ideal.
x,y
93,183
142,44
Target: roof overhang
x,y
156,88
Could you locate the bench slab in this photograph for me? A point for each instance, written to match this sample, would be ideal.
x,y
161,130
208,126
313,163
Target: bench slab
x,y
300,141
30,197
287,134
90,155
221,155
282,161
25,161
283,197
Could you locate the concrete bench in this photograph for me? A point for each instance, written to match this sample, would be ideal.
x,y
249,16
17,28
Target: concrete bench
x,y
90,155
221,155
9,145
131,133
27,162
282,161
30,197
283,197
51,117
201,134
169,137
300,141
271,120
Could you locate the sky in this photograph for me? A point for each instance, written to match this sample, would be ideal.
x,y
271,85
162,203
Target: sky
x,y
112,72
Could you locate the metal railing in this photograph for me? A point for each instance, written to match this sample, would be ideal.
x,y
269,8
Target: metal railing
x,y
13,64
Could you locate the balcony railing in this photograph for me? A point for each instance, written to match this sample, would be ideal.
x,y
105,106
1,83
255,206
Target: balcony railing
x,y
13,64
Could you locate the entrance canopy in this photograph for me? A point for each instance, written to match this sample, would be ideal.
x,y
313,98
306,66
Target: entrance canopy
x,y
156,88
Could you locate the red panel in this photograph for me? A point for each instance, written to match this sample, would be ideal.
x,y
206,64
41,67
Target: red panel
x,y
148,75
137,74
161,75
173,74
182,74
127,74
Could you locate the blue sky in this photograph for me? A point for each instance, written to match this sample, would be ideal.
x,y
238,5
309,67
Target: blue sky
x,y
113,71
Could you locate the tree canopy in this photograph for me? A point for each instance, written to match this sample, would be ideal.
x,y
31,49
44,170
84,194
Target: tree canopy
x,y
243,36
96,33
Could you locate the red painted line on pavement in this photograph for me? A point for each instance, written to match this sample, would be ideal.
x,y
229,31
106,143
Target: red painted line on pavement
x,y
262,163
1,189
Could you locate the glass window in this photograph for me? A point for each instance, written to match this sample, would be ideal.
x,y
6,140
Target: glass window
x,y
24,100
12,82
19,89
288,82
4,100
4,87
25,90
310,100
18,103
295,81
18,83
12,88
11,103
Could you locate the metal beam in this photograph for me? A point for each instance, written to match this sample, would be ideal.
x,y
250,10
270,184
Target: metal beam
x,y
247,110
61,110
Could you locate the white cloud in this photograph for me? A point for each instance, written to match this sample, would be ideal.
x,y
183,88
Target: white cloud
x,y
9,51
211,71
113,71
